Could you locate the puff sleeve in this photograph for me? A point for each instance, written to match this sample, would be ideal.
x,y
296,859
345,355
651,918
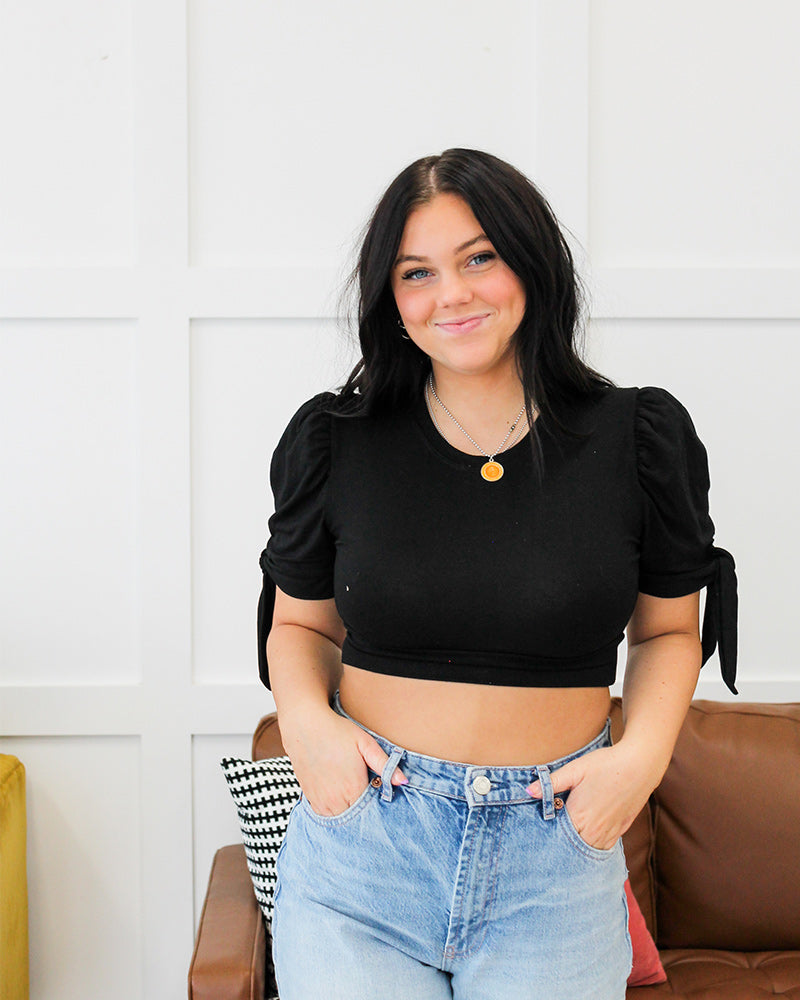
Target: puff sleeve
x,y
299,554
677,554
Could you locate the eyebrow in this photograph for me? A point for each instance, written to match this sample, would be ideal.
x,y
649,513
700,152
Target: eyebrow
x,y
459,249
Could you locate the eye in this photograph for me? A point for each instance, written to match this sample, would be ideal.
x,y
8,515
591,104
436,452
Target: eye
x,y
483,257
415,274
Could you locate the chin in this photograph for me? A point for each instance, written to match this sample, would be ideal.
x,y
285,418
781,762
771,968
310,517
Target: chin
x,y
474,365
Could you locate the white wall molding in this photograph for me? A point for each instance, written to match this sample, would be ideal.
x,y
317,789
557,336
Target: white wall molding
x,y
696,293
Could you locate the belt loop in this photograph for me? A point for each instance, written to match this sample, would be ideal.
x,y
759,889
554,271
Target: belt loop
x,y
548,804
386,776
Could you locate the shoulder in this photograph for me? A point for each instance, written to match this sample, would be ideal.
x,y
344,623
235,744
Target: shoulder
x,y
650,425
310,424
657,406
313,413
609,409
664,430
671,460
652,411
303,450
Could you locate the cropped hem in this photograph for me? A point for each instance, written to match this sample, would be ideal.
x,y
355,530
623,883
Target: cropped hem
x,y
676,584
596,669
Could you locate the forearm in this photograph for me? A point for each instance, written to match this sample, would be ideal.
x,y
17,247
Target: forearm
x,y
304,667
660,679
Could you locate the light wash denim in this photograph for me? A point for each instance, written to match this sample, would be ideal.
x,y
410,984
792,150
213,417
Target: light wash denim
x,y
456,885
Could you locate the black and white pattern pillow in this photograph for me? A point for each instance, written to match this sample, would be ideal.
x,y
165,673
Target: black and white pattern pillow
x,y
265,792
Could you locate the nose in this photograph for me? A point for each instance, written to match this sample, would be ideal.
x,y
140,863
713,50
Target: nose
x,y
453,290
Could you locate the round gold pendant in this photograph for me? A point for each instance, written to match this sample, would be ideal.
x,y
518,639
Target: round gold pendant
x,y
492,471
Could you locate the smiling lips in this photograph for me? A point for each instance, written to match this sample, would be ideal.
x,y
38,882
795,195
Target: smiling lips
x,y
464,325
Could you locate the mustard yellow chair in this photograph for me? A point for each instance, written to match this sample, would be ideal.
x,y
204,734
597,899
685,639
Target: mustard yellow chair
x,y
13,882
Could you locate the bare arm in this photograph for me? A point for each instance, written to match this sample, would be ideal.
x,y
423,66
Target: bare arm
x,y
664,658
330,754
304,653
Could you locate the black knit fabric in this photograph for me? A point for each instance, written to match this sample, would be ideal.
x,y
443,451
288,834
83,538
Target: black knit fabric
x,y
439,574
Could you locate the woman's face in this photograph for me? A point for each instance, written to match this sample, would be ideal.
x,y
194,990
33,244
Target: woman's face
x,y
459,302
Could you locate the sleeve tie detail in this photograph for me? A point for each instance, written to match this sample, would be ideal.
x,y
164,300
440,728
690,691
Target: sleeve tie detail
x,y
720,616
266,607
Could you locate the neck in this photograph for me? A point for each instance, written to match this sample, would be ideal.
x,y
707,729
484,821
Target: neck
x,y
485,408
490,397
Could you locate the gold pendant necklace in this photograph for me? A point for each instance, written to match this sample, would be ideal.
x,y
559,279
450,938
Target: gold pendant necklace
x,y
492,470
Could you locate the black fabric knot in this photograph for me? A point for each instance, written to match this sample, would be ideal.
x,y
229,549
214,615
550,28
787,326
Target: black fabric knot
x,y
266,607
720,619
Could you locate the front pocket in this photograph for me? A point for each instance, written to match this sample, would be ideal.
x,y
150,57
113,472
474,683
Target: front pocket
x,y
352,810
598,853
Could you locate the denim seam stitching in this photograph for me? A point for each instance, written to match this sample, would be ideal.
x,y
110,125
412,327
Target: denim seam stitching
x,y
488,897
467,867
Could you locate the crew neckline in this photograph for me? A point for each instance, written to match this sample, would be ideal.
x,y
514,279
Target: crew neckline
x,y
464,458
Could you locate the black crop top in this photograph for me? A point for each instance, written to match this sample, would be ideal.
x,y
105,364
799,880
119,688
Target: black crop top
x,y
439,574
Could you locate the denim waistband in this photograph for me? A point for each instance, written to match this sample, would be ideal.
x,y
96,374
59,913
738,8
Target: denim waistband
x,y
473,783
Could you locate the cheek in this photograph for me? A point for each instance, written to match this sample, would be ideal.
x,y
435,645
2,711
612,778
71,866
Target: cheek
x,y
506,291
400,297
414,305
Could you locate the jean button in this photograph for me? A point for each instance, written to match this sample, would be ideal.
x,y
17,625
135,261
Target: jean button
x,y
481,785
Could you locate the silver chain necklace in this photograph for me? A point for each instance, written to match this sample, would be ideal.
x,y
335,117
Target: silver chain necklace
x,y
491,470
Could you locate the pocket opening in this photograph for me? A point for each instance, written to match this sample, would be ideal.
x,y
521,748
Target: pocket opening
x,y
341,817
598,853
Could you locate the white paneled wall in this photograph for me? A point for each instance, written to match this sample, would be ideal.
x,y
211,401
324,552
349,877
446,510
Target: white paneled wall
x,y
68,192
691,135
70,531
182,186
298,119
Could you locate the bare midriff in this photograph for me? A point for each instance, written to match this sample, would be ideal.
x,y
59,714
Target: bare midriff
x,y
475,723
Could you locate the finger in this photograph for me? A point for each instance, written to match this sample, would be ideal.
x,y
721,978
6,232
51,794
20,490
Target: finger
x,y
562,780
376,759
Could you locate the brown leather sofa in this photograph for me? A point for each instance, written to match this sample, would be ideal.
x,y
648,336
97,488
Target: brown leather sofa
x,y
714,860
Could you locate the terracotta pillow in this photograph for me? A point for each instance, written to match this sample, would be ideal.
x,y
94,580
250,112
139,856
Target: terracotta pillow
x,y
647,968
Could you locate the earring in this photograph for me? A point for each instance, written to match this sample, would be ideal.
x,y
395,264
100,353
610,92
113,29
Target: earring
x,y
405,336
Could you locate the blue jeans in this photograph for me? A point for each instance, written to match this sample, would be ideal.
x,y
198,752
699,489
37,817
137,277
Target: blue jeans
x,y
456,885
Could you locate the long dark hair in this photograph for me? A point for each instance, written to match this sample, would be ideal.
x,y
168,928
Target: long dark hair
x,y
520,224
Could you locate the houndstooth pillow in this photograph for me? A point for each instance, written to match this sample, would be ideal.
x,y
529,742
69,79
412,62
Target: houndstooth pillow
x,y
265,792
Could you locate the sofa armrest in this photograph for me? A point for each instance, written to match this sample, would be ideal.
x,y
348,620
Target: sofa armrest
x,y
229,960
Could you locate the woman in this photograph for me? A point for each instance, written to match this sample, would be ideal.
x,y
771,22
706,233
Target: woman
x,y
462,536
